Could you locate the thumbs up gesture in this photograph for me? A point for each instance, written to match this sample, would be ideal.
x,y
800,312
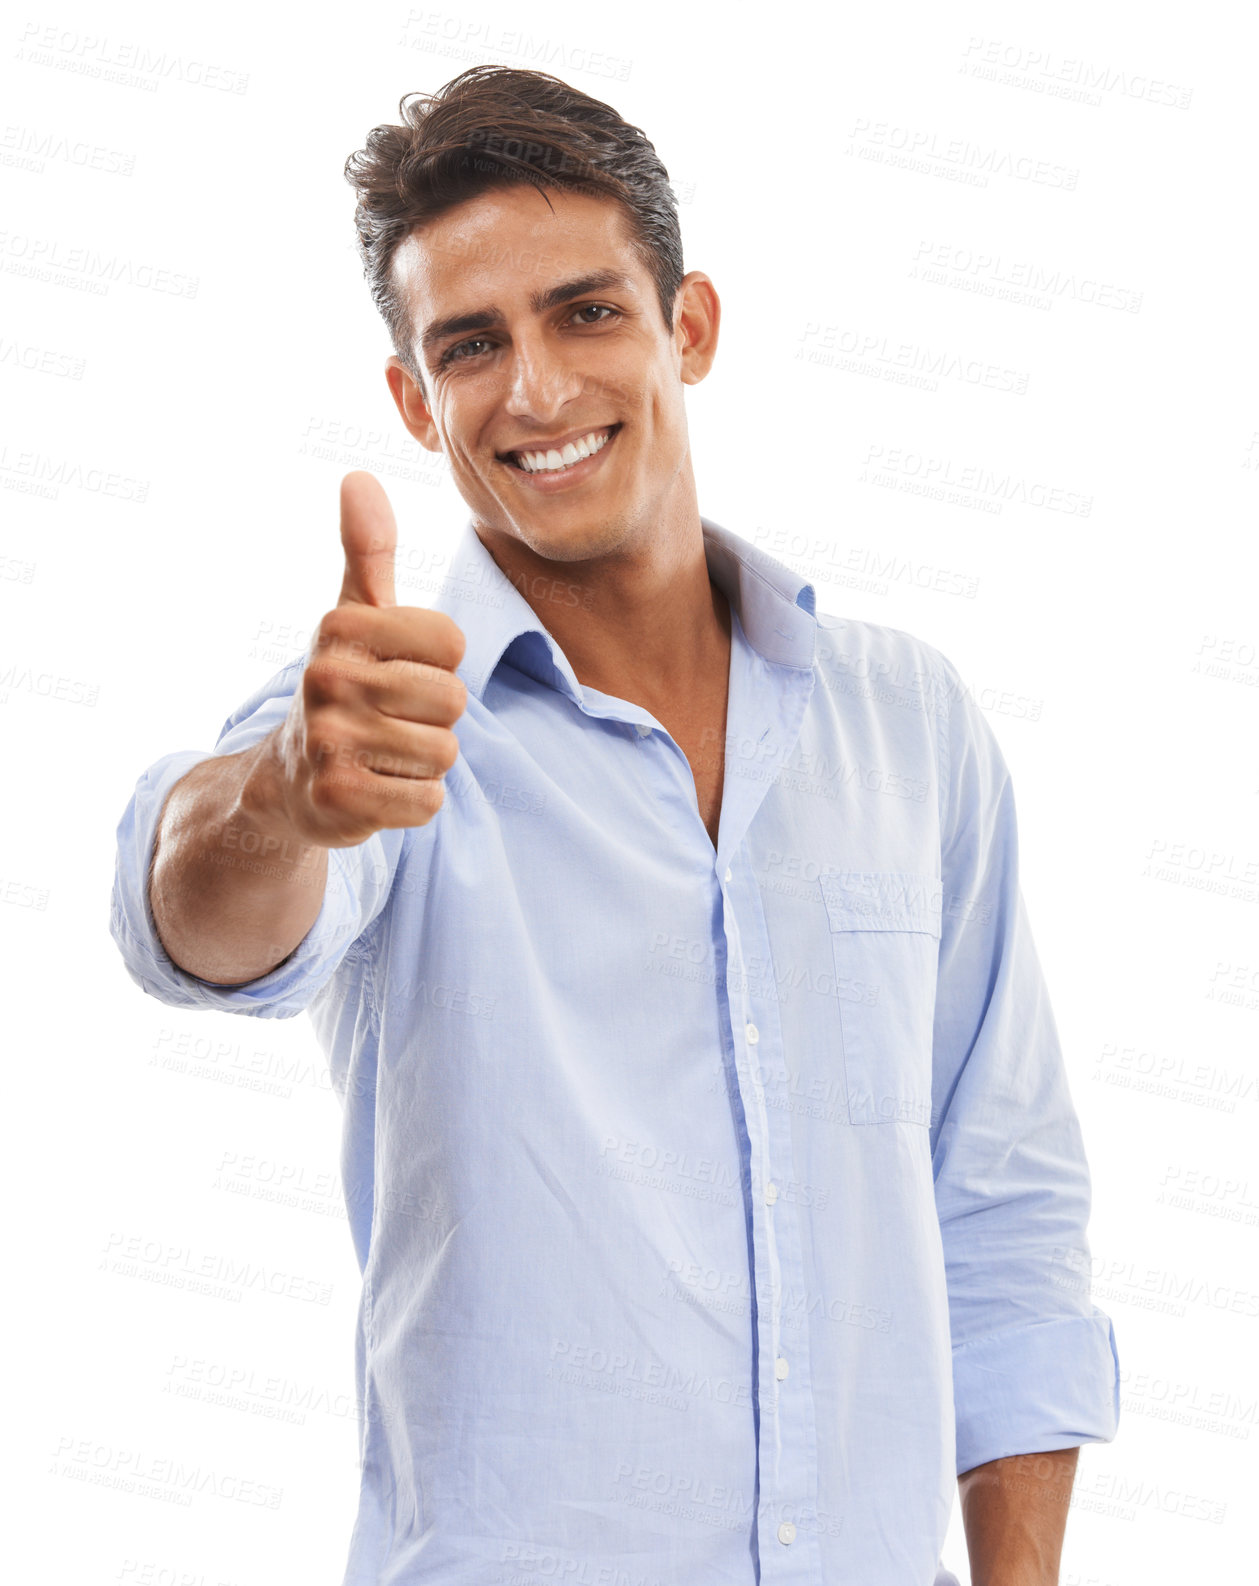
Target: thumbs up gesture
x,y
368,740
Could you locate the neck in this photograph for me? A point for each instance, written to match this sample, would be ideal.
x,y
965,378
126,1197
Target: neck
x,y
636,616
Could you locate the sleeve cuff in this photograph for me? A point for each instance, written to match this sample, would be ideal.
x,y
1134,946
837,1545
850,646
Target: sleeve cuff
x,y
1032,1389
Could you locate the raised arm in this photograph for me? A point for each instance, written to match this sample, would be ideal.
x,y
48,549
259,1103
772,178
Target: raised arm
x,y
240,860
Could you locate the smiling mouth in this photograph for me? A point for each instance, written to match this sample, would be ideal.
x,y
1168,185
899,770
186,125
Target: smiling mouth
x,y
552,460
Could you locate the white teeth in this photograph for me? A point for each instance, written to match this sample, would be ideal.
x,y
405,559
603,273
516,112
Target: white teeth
x,y
573,452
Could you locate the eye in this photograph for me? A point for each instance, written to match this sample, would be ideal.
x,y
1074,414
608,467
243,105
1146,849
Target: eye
x,y
453,354
459,352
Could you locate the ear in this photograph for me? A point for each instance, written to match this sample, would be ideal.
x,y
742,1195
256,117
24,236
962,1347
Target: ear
x,y
696,323
412,404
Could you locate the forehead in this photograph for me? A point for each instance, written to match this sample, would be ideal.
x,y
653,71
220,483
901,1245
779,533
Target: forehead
x,y
504,244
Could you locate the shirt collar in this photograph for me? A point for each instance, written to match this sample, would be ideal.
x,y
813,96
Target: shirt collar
x,y
776,607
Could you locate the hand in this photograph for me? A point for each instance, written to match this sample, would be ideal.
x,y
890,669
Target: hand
x,y
367,739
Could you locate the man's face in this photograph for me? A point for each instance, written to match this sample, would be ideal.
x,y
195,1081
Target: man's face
x,y
537,327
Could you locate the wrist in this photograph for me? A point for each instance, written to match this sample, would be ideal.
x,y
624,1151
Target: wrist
x,y
258,822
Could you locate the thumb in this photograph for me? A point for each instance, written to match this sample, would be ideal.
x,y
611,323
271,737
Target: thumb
x,y
369,536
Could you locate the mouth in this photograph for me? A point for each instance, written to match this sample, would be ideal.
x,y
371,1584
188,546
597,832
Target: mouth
x,y
572,458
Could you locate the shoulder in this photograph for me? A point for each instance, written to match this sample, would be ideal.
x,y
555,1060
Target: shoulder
x,y
854,656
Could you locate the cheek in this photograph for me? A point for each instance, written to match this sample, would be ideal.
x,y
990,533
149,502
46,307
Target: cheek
x,y
451,428
444,414
459,422
667,418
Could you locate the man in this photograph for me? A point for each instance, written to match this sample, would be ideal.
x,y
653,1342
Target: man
x,y
708,1149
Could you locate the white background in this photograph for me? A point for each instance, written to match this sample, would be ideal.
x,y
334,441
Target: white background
x,y
189,363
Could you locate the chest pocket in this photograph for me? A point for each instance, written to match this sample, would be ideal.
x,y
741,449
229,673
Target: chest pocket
x,y
885,935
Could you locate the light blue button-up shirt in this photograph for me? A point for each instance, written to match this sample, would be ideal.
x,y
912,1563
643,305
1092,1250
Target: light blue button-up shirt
x,y
715,1208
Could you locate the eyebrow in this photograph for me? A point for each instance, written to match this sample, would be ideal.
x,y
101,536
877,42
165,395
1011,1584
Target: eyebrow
x,y
539,301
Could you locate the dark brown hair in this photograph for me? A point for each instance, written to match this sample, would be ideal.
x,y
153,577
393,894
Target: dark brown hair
x,y
493,126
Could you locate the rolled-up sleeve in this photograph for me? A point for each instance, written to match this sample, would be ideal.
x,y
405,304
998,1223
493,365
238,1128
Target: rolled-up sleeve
x,y
359,880
1035,1366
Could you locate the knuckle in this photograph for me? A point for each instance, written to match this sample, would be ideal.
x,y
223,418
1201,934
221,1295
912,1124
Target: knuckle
x,y
333,680
327,746
345,633
313,741
321,676
336,624
325,795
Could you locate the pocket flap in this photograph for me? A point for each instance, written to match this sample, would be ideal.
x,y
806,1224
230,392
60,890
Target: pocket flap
x,y
883,900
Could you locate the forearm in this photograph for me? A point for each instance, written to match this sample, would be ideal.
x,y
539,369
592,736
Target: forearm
x,y
1015,1513
232,886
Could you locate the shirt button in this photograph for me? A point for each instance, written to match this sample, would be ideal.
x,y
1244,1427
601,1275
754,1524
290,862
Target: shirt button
x,y
786,1532
781,1368
771,1193
728,876
642,729
753,1035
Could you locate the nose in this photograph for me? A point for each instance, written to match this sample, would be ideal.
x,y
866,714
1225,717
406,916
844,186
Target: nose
x,y
541,380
